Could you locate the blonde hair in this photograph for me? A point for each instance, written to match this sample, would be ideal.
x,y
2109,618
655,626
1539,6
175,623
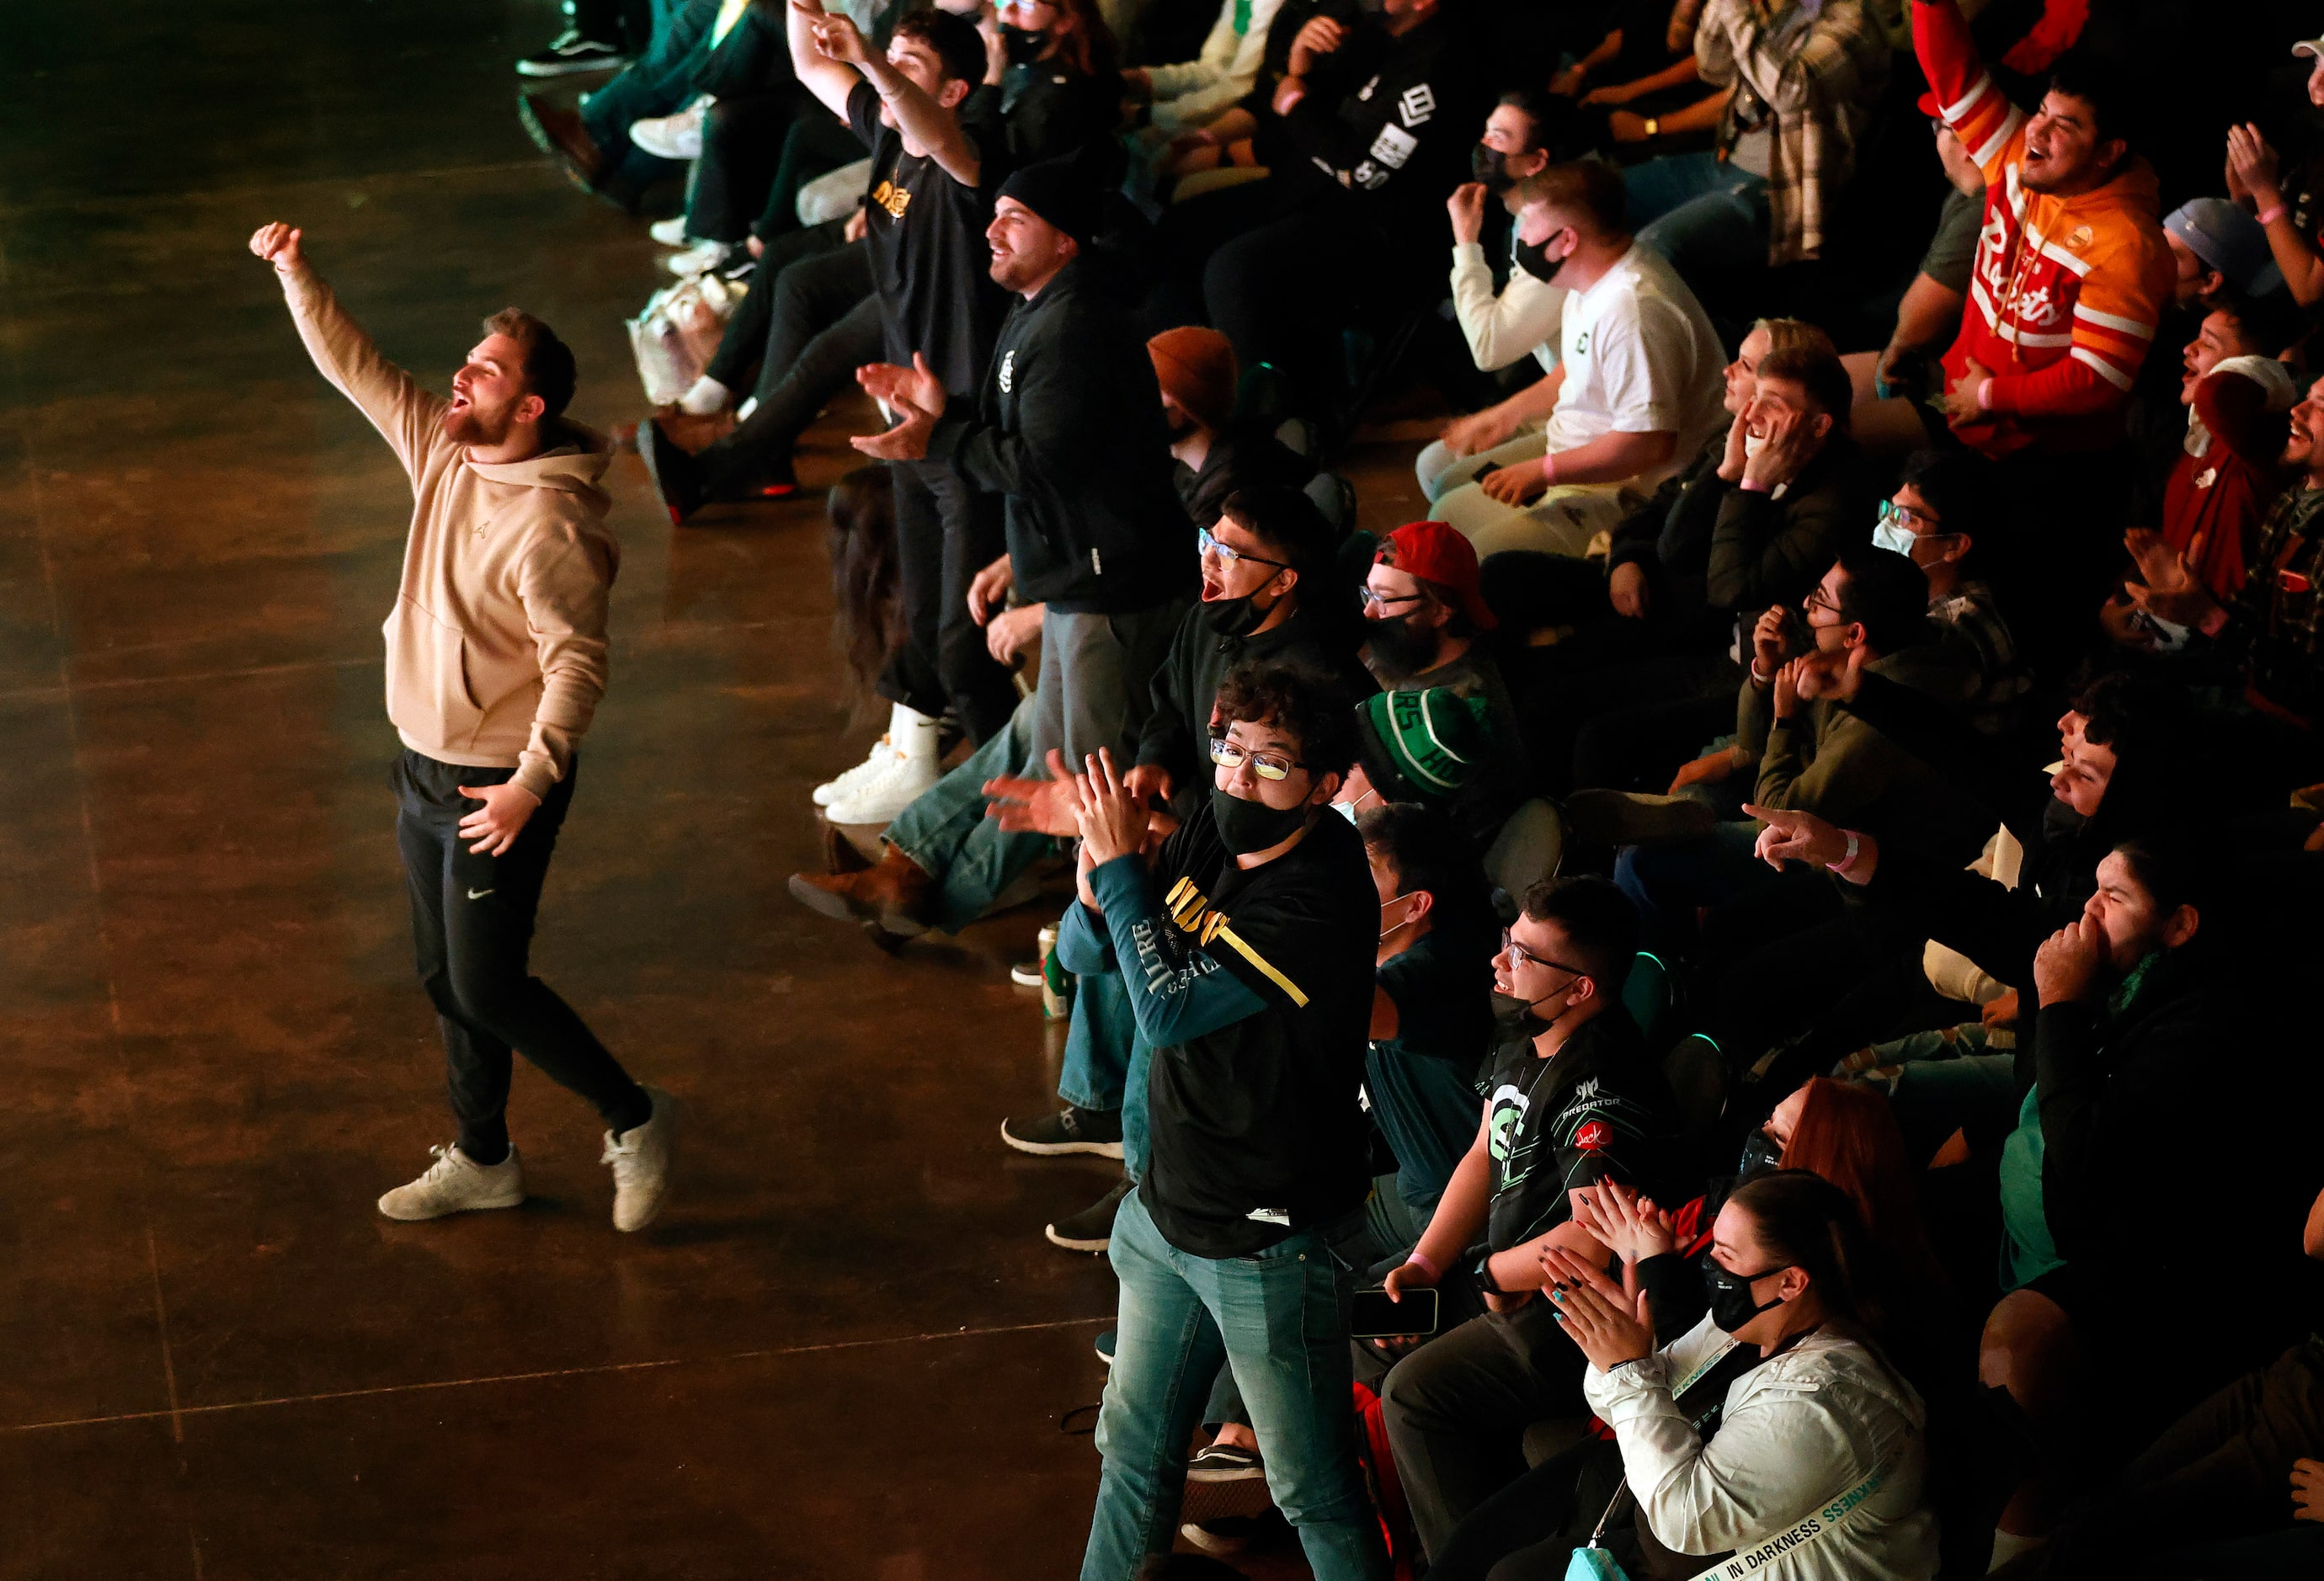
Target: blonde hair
x,y
1794,335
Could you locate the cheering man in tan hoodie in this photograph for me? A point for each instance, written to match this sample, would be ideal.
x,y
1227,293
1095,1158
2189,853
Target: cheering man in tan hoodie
x,y
495,661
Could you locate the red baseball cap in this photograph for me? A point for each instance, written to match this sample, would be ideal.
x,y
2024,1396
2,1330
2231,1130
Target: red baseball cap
x,y
1437,551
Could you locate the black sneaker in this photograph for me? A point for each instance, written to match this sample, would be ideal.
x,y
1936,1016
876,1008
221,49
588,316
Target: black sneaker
x,y
1090,1229
1224,1462
674,476
572,52
1067,1130
1231,1534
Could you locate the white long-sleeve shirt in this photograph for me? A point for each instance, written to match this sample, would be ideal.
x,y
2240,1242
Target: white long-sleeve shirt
x,y
1797,1431
1194,93
1525,317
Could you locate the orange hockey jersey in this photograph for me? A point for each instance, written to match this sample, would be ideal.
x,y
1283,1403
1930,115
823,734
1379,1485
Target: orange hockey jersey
x,y
2066,291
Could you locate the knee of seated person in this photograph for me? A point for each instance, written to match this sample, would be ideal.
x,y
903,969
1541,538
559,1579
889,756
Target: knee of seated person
x,y
2027,1341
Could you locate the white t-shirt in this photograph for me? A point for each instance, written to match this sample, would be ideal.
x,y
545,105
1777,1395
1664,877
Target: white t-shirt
x,y
1640,357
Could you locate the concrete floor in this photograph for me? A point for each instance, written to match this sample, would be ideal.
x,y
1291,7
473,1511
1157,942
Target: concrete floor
x,y
845,1350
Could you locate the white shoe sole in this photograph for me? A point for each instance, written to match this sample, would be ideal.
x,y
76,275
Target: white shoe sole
x,y
666,1112
1225,1474
1058,1149
842,785
515,1201
571,68
1049,1233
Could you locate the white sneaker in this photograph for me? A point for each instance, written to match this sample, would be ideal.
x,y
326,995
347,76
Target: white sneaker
x,y
705,396
700,259
881,798
842,785
454,1184
672,137
671,232
641,1161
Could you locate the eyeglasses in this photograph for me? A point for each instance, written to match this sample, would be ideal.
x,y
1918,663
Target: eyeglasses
x,y
1520,956
1373,599
1818,600
1905,516
1226,754
1210,546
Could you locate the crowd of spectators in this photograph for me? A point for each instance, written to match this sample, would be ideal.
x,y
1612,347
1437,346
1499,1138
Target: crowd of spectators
x,y
1833,781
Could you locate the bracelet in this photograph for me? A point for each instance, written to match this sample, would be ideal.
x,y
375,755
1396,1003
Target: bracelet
x,y
1654,126
1984,387
1549,467
1854,846
1417,1259
2268,216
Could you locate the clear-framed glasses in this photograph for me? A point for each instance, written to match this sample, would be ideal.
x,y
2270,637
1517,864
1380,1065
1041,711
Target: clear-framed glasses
x,y
1210,546
1373,599
1520,956
1226,754
1895,515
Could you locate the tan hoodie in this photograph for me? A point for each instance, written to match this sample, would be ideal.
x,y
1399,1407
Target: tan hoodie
x,y
496,647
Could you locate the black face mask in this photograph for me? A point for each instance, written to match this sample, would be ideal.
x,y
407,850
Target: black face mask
x,y
1239,617
1399,648
1530,258
1731,1305
1022,44
1762,1155
1245,826
1488,164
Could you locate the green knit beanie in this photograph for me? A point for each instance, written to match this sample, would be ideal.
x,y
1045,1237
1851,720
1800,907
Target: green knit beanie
x,y
1422,745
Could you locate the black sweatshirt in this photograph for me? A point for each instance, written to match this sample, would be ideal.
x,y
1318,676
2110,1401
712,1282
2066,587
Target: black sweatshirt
x,y
1177,736
1068,425
1388,121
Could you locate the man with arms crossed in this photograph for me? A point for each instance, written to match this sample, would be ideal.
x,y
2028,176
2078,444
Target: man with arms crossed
x,y
495,661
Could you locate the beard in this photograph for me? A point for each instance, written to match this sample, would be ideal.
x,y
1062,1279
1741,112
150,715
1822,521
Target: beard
x,y
474,425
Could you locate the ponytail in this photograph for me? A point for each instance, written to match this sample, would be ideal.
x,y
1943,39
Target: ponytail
x,y
1807,1222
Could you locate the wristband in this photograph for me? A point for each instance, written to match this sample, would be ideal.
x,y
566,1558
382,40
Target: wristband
x,y
1548,467
1854,846
1984,389
1427,1264
2268,216
1750,486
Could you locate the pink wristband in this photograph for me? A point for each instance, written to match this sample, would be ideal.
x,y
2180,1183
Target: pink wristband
x,y
1548,468
1750,487
1855,850
1984,389
1424,1264
2268,216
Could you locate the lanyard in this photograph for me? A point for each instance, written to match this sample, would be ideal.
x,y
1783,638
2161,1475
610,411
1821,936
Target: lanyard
x,y
1828,1518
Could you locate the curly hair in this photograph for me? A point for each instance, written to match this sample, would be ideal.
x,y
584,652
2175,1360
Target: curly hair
x,y
1303,703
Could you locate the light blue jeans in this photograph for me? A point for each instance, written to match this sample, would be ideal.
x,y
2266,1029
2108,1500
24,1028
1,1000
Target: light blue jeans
x,y
947,832
1105,1061
1704,216
1275,1318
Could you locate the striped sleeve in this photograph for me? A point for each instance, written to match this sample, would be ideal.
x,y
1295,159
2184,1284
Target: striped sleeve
x,y
1971,103
2116,312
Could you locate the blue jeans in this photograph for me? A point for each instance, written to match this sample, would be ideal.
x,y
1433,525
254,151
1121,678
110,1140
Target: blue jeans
x,y
1704,215
660,83
944,829
1275,1318
1668,882
1105,1061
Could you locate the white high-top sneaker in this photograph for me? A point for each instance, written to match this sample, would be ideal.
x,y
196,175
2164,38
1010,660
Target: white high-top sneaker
x,y
705,396
700,259
914,768
641,1164
842,785
456,1184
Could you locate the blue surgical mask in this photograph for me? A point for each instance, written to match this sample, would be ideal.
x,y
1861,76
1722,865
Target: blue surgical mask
x,y
1888,535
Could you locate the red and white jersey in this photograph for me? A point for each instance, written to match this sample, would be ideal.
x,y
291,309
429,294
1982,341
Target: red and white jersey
x,y
2066,292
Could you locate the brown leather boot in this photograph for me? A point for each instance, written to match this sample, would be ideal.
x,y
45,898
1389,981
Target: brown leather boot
x,y
557,133
894,894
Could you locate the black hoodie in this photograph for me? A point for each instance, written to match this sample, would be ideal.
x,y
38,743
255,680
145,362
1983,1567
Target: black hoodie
x,y
1068,426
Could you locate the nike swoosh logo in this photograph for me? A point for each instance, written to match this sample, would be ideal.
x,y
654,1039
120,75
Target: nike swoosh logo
x,y
478,894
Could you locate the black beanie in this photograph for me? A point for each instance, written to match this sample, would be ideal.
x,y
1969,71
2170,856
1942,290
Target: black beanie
x,y
1060,191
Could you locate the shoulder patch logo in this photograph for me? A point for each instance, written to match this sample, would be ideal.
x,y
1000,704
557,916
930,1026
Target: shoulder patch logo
x,y
1417,103
2080,237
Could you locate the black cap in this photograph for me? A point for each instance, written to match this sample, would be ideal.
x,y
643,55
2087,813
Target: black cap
x,y
1061,192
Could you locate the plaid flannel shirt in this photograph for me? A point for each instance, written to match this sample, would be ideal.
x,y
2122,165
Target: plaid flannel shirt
x,y
1810,76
